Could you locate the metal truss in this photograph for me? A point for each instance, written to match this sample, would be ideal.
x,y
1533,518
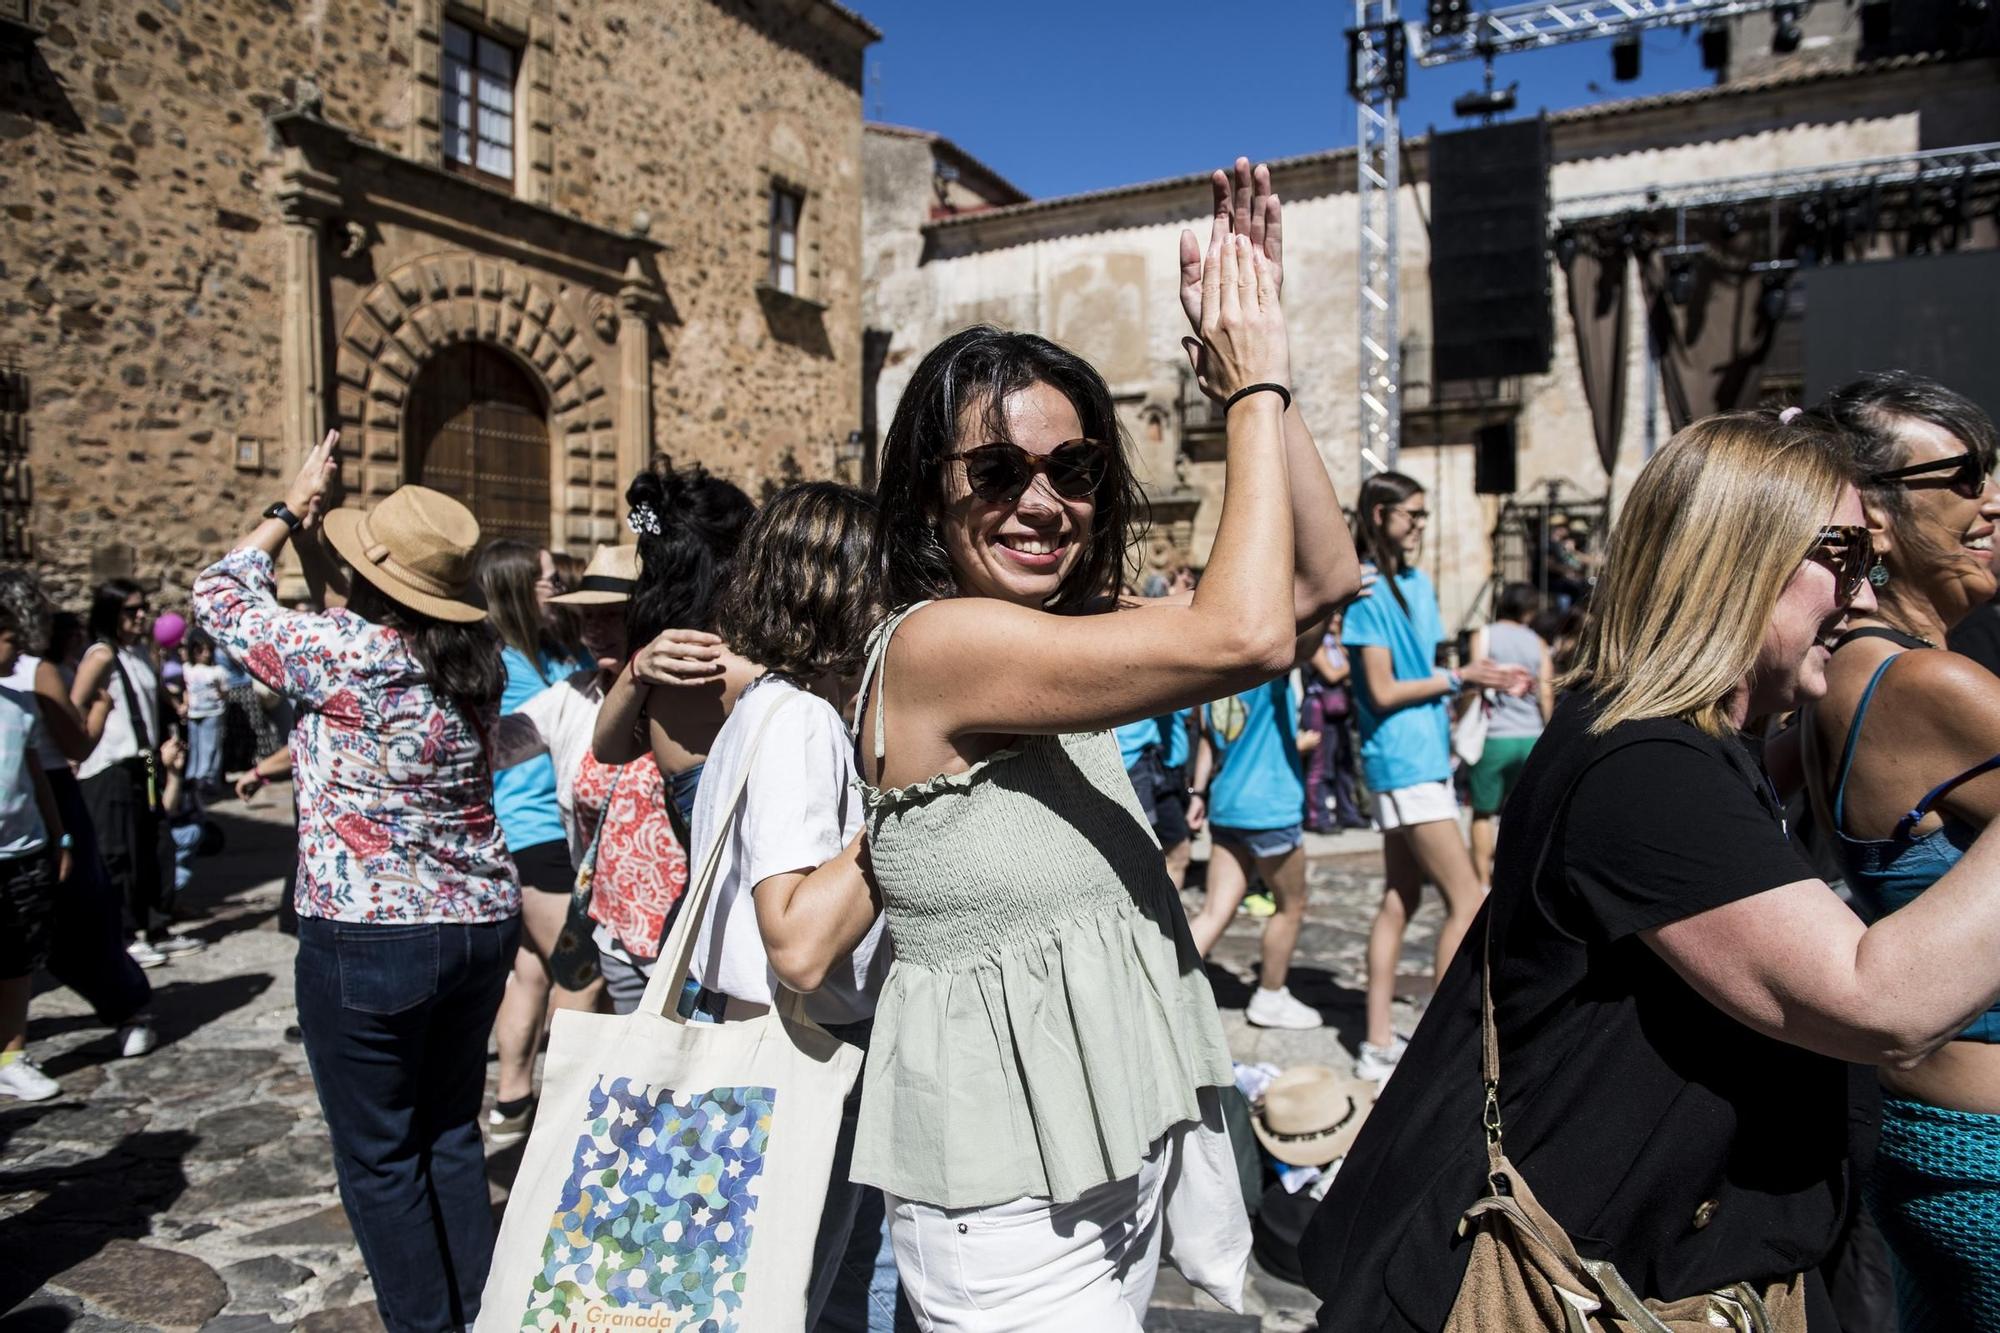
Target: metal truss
x,y
1941,166
1525,27
1375,74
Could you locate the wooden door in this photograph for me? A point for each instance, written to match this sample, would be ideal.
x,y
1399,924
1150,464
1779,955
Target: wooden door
x,y
478,433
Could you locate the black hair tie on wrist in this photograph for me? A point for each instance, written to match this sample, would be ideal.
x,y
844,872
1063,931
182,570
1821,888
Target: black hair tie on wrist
x,y
1249,389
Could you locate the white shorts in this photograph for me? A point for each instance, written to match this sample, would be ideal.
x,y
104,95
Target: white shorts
x,y
1406,807
1033,1265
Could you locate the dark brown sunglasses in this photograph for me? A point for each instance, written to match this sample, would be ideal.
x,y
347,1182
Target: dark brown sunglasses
x,y
1846,550
1961,472
999,472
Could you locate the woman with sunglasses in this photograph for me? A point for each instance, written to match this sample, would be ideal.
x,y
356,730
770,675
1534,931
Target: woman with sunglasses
x,y
1392,636
1675,994
1046,1027
1904,748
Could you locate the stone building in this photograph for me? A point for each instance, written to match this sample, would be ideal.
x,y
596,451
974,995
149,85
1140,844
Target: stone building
x,y
507,247
1099,272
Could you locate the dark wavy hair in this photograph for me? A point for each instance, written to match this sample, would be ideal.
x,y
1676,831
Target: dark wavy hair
x,y
803,597
26,610
107,608
974,371
1865,412
1371,536
461,662
690,523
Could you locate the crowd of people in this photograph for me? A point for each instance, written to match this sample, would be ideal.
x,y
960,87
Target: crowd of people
x,y
979,770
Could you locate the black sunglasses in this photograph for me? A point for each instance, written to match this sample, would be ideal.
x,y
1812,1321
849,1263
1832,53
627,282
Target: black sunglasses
x,y
1961,472
138,610
1848,552
999,472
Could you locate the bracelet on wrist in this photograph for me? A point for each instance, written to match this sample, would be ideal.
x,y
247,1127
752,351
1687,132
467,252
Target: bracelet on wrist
x,y
1456,681
1265,387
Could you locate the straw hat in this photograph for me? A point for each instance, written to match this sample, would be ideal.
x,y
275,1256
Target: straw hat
x,y
610,577
1309,1115
416,546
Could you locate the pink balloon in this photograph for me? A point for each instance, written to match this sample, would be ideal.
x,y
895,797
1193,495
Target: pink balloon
x,y
169,629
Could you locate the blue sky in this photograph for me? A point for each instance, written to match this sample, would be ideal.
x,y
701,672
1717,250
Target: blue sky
x,y
1062,96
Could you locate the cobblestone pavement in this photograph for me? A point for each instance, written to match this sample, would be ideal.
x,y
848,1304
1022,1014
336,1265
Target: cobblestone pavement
x,y
193,1188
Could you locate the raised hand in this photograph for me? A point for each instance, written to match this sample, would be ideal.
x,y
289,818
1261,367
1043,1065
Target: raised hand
x,y
1242,327
1244,205
679,657
307,497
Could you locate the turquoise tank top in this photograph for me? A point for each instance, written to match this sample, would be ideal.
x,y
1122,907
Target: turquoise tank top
x,y
1890,872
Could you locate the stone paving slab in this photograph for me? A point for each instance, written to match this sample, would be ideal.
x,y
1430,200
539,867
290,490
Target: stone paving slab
x,y
193,1188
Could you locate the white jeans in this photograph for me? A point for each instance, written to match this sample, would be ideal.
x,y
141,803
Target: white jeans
x,y
1032,1265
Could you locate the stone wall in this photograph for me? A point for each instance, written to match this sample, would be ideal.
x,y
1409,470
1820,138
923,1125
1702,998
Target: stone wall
x,y
150,276
1099,272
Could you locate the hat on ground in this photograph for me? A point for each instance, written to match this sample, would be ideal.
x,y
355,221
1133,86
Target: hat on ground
x,y
610,577
416,547
1309,1115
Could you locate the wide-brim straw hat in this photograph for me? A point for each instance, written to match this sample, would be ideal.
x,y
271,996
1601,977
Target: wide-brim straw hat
x,y
416,545
610,577
1309,1115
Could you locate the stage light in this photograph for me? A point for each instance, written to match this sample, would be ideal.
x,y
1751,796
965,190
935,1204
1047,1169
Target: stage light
x,y
1485,102
1565,247
1785,32
1447,17
1680,279
1732,222
1715,46
1625,58
1776,297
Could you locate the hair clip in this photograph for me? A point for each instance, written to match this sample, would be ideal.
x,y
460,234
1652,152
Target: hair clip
x,y
643,519
1789,415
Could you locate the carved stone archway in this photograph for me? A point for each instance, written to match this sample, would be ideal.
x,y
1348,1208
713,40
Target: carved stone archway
x,y
431,303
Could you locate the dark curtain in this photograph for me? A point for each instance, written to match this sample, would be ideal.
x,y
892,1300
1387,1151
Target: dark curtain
x,y
1597,285
1712,348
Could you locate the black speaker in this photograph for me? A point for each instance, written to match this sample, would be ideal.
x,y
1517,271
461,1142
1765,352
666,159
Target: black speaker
x,y
1490,293
1493,459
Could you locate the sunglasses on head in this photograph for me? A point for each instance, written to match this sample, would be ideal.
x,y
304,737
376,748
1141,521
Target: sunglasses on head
x,y
1961,472
997,473
1847,551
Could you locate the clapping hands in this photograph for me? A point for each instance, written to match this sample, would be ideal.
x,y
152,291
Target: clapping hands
x,y
1246,208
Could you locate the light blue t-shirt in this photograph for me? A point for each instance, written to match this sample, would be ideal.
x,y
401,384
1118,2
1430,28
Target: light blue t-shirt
x,y
1411,745
524,796
1257,783
21,830
1134,737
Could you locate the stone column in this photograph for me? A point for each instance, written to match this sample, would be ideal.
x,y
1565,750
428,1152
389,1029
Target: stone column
x,y
635,375
306,199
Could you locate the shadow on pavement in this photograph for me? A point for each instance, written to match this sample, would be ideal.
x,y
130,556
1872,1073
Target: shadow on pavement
x,y
180,1009
84,1205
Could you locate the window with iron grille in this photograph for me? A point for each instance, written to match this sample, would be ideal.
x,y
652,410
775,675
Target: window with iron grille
x,y
16,487
476,113
786,208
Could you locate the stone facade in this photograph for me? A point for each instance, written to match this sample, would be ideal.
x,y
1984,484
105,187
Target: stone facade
x,y
230,225
1099,272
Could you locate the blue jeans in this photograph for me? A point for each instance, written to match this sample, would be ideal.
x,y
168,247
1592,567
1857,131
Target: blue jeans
x,y
395,1019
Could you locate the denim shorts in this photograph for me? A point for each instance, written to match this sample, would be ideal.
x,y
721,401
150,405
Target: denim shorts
x,y
1259,842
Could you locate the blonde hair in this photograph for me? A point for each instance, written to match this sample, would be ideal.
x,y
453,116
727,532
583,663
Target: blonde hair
x,y
1714,529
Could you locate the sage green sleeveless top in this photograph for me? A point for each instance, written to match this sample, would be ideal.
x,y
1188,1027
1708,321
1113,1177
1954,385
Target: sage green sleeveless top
x,y
1046,1017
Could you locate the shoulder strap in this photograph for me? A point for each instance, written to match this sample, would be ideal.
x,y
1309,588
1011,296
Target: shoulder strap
x,y
877,668
1853,737
140,733
1937,793
670,969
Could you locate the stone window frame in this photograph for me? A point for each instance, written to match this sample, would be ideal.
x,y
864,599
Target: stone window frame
x,y
794,180
528,26
479,41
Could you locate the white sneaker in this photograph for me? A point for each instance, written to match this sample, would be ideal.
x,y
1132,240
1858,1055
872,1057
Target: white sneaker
x,y
22,1078
145,955
177,946
504,1131
1277,1009
1376,1063
137,1037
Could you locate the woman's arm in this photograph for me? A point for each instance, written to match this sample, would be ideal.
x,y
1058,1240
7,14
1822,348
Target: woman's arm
x,y
811,919
45,801
273,767
1331,669
1202,773
1545,685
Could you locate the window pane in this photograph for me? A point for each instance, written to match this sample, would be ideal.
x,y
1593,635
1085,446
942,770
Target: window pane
x,y
496,127
457,148
495,95
457,41
496,58
496,159
788,246
788,277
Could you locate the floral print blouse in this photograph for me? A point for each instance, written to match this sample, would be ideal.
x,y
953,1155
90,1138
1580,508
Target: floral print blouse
x,y
393,787
641,870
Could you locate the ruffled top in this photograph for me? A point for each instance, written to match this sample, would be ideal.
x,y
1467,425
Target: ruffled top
x,y
1047,1017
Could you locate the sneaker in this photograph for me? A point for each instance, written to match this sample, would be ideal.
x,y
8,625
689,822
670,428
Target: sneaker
x,y
178,946
145,955
504,1131
22,1078
1260,904
137,1037
1278,1009
1376,1063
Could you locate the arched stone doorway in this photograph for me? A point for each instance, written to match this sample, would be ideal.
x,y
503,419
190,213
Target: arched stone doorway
x,y
478,431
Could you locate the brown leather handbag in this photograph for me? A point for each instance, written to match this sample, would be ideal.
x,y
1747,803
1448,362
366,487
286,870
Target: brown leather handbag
x,y
1525,1275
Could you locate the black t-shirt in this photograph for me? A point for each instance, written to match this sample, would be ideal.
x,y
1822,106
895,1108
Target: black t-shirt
x,y
1978,637
1660,1133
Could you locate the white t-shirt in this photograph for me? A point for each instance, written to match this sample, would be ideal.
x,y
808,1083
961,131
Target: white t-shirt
x,y
119,741
800,807
22,678
565,715
205,686
21,828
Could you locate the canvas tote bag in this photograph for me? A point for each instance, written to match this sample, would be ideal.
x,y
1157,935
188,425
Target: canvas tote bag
x,y
676,1172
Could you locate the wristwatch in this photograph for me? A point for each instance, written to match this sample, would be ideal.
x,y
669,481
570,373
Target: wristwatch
x,y
281,510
